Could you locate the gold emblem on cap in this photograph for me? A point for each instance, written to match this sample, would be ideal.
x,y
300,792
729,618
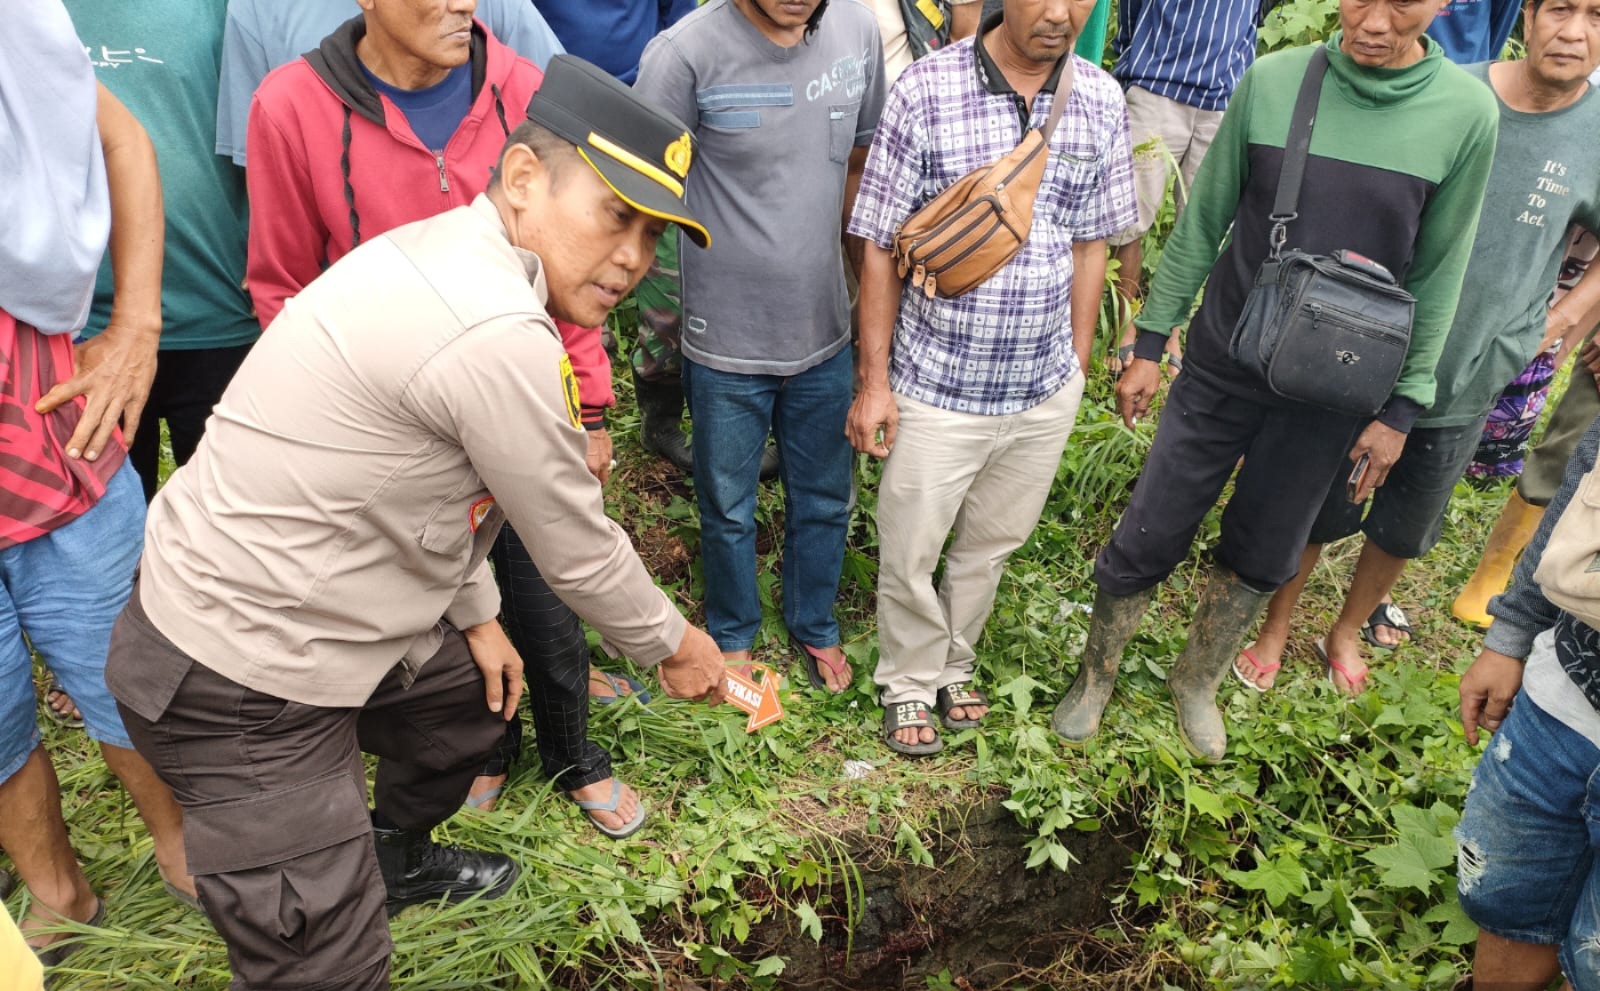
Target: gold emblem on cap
x,y
678,155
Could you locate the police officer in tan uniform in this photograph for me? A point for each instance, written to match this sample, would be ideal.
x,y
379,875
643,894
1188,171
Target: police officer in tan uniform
x,y
314,581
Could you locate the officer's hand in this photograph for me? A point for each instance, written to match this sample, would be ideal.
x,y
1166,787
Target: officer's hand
x,y
1136,388
1487,690
873,410
696,671
501,666
599,457
1382,446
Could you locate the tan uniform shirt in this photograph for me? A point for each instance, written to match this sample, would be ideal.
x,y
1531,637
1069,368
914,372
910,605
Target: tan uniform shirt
x,y
360,463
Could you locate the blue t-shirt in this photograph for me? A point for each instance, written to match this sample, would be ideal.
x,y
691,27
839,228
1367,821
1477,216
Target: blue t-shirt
x,y
261,35
1470,31
612,33
433,112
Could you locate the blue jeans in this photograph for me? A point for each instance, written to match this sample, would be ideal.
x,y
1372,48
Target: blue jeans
x,y
805,414
61,593
1527,869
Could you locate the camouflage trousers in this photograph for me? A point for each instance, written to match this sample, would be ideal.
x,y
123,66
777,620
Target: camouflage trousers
x,y
656,355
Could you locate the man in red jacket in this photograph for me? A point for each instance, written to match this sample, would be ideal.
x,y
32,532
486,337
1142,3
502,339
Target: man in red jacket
x,y
397,116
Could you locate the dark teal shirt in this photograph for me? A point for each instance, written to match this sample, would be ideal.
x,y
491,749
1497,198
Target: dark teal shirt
x,y
162,61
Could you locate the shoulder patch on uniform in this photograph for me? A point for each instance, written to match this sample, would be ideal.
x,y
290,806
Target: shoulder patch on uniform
x,y
479,512
569,389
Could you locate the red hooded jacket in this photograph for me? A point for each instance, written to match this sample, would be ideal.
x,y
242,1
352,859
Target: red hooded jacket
x,y
333,162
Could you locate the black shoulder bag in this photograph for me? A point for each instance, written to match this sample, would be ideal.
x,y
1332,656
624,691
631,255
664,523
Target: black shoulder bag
x,y
1327,330
927,25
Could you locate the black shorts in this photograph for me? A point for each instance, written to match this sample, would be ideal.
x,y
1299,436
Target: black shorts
x,y
1406,516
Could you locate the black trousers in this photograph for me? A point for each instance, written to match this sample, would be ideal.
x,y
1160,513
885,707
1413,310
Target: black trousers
x,y
187,385
555,657
274,798
1292,454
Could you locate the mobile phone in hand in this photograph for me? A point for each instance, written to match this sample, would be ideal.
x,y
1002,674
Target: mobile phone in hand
x,y
1353,485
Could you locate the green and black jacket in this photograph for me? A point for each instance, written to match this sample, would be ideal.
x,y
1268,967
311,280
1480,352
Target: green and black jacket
x,y
1399,160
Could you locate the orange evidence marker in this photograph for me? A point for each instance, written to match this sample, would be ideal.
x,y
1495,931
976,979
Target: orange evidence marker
x,y
759,700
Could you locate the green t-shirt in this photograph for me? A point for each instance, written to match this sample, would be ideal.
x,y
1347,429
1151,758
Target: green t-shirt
x,y
1546,177
162,61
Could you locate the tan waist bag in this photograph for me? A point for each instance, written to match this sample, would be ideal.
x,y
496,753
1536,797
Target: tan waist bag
x,y
968,232
1569,572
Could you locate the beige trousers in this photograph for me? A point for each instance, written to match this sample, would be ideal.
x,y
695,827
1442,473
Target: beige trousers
x,y
1183,133
985,477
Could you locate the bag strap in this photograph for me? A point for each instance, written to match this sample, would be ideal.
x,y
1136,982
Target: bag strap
x,y
1286,207
1058,102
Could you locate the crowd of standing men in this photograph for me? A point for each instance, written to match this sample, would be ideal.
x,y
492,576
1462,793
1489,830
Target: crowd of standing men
x,y
365,290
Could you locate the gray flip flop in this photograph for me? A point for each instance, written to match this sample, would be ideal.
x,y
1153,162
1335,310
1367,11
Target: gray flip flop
x,y
590,808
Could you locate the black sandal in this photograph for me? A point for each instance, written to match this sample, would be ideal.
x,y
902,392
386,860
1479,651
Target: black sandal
x,y
1390,615
959,695
909,715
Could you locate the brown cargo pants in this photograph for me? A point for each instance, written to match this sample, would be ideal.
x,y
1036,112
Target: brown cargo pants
x,y
275,801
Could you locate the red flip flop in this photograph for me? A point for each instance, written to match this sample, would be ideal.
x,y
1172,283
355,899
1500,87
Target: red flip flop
x,y
1264,669
1357,681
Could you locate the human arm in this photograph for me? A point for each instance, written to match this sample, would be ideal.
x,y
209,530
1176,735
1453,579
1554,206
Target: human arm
x,y
1088,285
873,410
890,191
115,368
287,244
521,28
1574,313
1443,246
498,393
1486,691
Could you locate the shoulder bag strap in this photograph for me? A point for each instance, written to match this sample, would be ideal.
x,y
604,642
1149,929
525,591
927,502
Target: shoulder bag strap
x,y
1058,102
1285,208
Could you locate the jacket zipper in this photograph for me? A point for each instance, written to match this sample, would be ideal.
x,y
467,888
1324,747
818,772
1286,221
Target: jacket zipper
x,y
444,183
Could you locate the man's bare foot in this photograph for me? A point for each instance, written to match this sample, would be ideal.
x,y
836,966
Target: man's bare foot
x,y
600,791
81,908
913,735
603,685
832,664
485,792
1346,666
60,703
1258,663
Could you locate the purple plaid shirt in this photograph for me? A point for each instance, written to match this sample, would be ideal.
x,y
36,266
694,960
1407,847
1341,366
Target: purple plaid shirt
x,y
1006,346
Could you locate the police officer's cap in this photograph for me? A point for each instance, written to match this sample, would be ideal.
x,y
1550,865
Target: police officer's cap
x,y
641,151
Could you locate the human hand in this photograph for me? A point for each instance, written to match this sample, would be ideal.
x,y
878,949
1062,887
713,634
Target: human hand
x,y
1140,379
1382,446
1487,690
696,671
1557,327
599,457
1590,356
873,410
114,372
501,666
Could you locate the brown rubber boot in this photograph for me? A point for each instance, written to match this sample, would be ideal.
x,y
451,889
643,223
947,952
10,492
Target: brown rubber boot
x,y
1510,535
1226,611
1113,624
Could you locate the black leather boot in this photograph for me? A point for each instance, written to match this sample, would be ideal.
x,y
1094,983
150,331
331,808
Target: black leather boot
x,y
660,416
415,869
